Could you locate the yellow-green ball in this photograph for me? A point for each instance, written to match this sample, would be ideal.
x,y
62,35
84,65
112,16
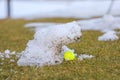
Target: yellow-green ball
x,y
69,55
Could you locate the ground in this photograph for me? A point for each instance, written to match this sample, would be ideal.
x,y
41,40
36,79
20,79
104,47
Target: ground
x,y
104,66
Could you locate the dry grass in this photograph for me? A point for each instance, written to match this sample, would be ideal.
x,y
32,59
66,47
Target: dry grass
x,y
105,65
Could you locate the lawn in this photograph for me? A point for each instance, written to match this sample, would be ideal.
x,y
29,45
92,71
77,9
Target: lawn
x,y
104,66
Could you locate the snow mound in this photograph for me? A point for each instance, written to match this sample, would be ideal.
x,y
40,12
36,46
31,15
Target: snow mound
x,y
45,48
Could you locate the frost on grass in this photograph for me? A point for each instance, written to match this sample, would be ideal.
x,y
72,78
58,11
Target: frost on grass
x,y
45,48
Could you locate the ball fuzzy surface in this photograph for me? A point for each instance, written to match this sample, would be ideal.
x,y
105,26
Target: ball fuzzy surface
x,y
69,55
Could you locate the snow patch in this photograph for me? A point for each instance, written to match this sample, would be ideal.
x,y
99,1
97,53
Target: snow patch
x,y
104,24
38,26
85,56
107,24
9,56
108,36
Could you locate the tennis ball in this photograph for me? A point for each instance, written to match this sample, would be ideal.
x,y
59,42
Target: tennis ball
x,y
69,55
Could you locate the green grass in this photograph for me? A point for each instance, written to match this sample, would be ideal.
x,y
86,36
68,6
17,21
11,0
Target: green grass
x,y
105,65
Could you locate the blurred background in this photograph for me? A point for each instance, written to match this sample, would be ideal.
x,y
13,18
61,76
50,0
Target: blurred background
x,y
30,9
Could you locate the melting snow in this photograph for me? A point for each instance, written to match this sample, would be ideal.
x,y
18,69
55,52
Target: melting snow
x,y
104,24
108,36
85,56
38,26
107,24
45,48
7,54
